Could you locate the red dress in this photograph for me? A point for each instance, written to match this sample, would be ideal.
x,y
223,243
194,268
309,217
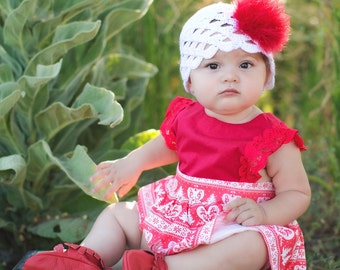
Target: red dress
x,y
218,162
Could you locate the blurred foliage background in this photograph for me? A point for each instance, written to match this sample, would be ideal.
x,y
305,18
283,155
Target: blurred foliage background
x,y
306,96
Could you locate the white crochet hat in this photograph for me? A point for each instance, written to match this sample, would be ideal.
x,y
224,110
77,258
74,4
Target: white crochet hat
x,y
251,25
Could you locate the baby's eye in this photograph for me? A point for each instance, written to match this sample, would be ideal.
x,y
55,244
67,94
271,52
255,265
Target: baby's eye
x,y
246,65
212,66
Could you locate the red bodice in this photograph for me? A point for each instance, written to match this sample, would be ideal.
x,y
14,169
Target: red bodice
x,y
210,148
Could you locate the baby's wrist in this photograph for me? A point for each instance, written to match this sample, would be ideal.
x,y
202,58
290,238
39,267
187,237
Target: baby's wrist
x,y
263,214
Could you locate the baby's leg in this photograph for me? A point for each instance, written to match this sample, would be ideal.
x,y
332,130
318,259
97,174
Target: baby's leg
x,y
115,228
246,250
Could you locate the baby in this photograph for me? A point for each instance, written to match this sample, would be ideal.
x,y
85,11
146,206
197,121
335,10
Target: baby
x,y
240,183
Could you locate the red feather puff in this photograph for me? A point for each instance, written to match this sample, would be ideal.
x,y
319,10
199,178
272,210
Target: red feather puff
x,y
264,21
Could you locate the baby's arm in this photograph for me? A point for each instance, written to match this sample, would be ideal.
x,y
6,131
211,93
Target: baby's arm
x,y
122,174
292,191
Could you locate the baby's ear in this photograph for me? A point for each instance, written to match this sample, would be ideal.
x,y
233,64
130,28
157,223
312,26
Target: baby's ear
x,y
188,86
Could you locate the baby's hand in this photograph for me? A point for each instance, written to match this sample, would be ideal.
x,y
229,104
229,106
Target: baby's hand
x,y
115,176
244,211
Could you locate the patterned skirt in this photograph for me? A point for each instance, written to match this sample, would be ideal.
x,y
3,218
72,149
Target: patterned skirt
x,y
181,212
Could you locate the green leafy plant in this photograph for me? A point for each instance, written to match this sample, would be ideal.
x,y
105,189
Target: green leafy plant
x,y
56,57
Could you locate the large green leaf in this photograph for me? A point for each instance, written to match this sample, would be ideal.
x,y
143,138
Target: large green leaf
x,y
57,116
109,111
79,167
83,58
16,164
35,98
119,18
44,29
67,227
66,37
93,102
123,13
70,229
11,62
9,96
6,74
40,160
13,175
43,74
5,7
10,93
14,25
124,66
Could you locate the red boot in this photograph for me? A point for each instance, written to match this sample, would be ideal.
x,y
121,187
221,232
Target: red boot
x,y
143,260
137,260
75,257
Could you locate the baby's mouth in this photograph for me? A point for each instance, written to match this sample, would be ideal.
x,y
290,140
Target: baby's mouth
x,y
229,91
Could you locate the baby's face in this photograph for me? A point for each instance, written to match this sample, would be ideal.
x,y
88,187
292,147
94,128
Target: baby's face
x,y
229,84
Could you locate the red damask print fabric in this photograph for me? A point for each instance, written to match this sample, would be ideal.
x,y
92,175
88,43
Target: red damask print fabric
x,y
182,212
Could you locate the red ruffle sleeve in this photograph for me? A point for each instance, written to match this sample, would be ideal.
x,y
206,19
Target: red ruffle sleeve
x,y
175,106
257,151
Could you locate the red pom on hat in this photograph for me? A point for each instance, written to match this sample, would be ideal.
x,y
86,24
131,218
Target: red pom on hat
x,y
264,21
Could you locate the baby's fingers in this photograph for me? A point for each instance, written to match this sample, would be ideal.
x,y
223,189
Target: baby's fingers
x,y
234,204
104,165
103,183
100,173
237,210
111,192
96,177
124,189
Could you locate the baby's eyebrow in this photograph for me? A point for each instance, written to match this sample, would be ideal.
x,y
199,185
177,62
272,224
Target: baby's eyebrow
x,y
210,59
253,55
